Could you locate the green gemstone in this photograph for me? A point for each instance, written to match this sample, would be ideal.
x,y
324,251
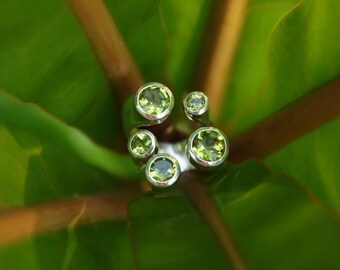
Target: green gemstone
x,y
141,143
154,100
209,145
162,169
195,101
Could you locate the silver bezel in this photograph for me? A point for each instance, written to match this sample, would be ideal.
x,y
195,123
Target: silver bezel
x,y
153,148
158,118
167,183
200,112
202,164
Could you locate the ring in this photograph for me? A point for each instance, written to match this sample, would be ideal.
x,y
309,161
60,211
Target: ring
x,y
206,148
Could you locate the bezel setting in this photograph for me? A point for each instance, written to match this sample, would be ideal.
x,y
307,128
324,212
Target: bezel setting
x,y
154,118
169,182
151,151
190,113
200,163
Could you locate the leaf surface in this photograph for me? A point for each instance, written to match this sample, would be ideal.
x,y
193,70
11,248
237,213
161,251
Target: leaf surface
x,y
288,48
275,222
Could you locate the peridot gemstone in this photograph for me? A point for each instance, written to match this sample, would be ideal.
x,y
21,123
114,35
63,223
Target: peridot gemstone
x,y
209,145
154,100
195,101
162,169
141,143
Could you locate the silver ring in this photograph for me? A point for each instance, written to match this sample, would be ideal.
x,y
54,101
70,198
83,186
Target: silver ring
x,y
207,148
162,170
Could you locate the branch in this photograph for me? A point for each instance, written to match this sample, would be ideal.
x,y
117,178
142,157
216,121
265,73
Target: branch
x,y
302,116
219,49
199,197
111,50
115,58
21,223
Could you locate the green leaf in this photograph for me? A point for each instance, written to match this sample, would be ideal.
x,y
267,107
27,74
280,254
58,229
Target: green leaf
x,y
289,48
275,222
44,127
103,246
183,42
45,59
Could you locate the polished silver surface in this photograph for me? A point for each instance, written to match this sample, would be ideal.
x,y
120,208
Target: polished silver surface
x,y
162,184
203,164
154,118
177,150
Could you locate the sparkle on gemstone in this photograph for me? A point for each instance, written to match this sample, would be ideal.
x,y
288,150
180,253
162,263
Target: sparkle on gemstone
x,y
141,143
195,101
209,145
162,169
154,100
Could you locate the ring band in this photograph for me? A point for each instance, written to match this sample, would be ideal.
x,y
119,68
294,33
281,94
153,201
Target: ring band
x,y
206,149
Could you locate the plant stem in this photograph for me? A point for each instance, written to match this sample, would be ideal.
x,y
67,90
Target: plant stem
x,y
298,118
115,58
24,222
118,64
219,49
200,198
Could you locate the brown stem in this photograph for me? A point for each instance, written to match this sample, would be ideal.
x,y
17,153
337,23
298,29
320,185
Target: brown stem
x,y
300,117
24,222
199,197
116,60
219,49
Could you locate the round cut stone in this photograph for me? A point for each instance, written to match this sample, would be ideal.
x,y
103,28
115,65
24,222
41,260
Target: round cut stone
x,y
162,169
154,100
141,143
195,101
209,145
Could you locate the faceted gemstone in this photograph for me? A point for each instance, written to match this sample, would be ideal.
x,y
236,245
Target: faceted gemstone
x,y
154,100
141,143
209,145
162,169
195,101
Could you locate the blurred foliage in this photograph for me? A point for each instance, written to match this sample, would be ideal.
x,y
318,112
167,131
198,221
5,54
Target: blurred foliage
x,y
288,48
